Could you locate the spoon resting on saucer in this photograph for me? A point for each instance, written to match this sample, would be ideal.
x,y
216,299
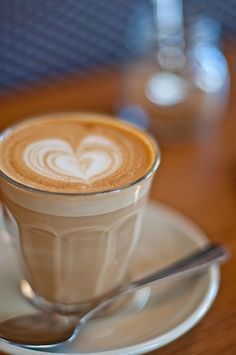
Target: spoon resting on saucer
x,y
45,329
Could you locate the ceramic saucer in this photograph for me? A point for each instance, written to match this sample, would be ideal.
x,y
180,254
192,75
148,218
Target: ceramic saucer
x,y
155,317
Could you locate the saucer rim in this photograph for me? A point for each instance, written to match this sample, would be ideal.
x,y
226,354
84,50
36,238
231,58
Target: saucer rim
x,y
199,238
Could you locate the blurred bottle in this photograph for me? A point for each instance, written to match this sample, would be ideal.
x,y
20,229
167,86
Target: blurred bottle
x,y
179,89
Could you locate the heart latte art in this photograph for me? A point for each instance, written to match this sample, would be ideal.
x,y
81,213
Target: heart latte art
x,y
96,157
73,153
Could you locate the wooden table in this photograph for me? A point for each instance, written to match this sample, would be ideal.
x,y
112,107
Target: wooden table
x,y
199,179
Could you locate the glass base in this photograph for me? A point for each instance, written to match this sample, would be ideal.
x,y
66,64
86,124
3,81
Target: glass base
x,y
135,301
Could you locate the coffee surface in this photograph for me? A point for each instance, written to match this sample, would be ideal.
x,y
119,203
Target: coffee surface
x,y
75,153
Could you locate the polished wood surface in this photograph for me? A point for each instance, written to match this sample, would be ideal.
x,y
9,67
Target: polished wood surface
x,y
199,179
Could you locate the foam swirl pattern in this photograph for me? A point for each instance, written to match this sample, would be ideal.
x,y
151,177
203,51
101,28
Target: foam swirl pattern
x,y
96,157
75,153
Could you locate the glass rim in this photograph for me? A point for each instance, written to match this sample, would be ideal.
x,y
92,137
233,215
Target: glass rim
x,y
32,189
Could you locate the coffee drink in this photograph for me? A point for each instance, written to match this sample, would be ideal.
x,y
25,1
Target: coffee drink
x,y
75,185
76,155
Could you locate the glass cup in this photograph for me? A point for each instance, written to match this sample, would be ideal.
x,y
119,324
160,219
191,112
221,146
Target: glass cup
x,y
74,248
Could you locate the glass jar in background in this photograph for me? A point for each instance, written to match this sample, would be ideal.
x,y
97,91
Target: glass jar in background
x,y
179,88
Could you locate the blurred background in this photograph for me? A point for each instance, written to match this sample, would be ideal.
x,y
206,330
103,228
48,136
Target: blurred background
x,y
157,63
47,40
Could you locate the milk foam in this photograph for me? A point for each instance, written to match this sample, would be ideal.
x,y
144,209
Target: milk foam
x,y
95,157
76,153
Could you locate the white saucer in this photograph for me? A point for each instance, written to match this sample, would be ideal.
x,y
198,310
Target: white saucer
x,y
156,316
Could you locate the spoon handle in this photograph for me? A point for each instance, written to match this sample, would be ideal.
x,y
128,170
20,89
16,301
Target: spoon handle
x,y
187,266
190,265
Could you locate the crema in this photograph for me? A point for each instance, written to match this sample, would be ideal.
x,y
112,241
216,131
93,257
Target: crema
x,y
75,153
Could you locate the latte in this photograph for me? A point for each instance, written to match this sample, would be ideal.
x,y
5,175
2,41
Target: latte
x,y
74,188
76,153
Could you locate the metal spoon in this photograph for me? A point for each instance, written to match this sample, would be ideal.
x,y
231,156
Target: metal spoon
x,y
46,329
